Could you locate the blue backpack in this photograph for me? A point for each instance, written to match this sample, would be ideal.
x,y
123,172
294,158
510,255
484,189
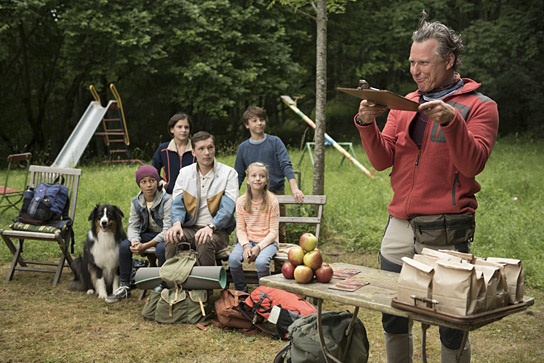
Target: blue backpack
x,y
47,204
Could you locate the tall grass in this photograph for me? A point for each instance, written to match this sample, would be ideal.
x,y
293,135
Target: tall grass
x,y
356,210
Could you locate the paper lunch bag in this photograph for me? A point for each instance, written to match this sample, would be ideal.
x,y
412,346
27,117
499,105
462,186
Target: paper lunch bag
x,y
415,279
457,288
514,277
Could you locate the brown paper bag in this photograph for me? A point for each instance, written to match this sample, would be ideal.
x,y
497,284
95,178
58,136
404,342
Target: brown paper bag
x,y
492,277
440,255
514,277
457,288
415,279
502,296
428,260
467,257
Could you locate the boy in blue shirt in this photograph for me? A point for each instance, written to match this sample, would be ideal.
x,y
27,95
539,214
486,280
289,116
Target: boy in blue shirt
x,y
269,150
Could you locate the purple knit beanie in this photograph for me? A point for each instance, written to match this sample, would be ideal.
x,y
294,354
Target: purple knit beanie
x,y
146,170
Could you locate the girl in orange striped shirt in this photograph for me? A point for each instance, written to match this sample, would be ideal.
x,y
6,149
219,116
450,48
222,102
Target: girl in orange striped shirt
x,y
257,221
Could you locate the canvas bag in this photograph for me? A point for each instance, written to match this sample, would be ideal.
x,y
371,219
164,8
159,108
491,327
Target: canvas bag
x,y
227,309
150,306
304,344
176,305
443,229
514,277
415,278
457,288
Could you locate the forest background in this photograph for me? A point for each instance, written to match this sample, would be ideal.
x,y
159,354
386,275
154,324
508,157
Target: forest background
x,y
214,58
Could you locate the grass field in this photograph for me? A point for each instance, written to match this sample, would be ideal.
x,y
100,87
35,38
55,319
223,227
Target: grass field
x,y
42,323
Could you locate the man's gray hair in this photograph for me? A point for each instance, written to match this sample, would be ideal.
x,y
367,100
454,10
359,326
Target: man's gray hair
x,y
448,41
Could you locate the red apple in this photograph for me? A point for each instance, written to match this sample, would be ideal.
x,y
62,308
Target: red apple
x,y
288,270
295,255
324,273
307,241
313,259
303,274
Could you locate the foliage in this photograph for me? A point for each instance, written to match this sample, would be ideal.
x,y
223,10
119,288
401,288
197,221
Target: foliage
x,y
214,58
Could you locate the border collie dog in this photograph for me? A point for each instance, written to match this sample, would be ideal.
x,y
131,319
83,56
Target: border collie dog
x,y
98,269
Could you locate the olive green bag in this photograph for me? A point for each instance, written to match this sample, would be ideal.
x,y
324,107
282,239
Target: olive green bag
x,y
176,305
443,229
151,304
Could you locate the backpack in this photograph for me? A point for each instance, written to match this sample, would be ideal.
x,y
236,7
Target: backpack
x,y
304,344
176,305
227,309
277,306
47,204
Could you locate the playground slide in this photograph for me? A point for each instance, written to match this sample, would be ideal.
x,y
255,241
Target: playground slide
x,y
80,137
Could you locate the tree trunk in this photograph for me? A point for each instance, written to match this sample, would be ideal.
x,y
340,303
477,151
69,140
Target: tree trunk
x,y
320,98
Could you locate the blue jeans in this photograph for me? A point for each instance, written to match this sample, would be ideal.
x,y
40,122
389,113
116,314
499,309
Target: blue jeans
x,y
262,263
125,255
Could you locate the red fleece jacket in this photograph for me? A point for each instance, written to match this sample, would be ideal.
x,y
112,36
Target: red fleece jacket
x,y
439,178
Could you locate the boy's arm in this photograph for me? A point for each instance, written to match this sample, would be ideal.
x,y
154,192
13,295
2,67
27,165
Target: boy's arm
x,y
133,229
297,193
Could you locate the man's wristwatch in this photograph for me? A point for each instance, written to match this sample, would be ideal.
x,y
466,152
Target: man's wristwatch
x,y
211,226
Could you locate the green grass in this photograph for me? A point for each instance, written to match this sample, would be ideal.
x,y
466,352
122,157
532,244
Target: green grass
x,y
356,210
44,323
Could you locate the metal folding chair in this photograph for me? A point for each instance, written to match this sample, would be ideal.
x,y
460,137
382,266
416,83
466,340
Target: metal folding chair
x,y
63,237
10,197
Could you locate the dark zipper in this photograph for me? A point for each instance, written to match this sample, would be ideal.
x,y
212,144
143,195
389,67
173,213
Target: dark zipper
x,y
454,188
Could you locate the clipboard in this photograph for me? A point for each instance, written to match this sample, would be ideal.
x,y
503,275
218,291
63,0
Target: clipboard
x,y
383,97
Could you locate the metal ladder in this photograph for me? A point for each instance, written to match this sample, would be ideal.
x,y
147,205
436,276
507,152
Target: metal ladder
x,y
115,128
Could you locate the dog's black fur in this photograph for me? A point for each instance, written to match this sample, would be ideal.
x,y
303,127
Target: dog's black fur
x,y
98,269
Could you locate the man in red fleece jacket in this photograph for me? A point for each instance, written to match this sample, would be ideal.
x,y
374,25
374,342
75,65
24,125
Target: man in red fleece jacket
x,y
435,153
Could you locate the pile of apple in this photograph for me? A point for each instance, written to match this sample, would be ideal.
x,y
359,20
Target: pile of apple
x,y
305,260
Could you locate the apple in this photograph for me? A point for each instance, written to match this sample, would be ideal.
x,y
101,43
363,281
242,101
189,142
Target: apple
x,y
308,242
313,259
295,255
324,273
303,274
288,270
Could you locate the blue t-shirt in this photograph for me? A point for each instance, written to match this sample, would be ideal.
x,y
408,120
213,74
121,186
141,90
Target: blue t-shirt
x,y
271,152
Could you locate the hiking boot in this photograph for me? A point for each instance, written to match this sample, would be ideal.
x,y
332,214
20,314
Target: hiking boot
x,y
122,292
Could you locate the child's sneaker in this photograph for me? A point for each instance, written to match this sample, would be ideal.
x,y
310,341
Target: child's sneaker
x,y
122,292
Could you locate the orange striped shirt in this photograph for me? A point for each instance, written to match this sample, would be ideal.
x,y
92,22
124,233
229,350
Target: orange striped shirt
x,y
258,226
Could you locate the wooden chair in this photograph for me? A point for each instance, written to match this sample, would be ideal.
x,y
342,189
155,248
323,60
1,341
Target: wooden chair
x,y
10,197
63,237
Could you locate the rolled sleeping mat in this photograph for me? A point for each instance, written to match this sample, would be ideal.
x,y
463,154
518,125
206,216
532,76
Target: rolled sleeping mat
x,y
200,278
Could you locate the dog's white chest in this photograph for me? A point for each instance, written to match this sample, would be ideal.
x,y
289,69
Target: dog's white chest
x,y
105,251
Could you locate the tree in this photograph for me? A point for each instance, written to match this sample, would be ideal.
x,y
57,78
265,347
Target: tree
x,y
320,18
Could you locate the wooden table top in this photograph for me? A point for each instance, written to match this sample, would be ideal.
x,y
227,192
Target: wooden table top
x,y
378,294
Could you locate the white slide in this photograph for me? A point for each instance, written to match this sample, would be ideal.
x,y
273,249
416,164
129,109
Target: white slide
x,y
80,137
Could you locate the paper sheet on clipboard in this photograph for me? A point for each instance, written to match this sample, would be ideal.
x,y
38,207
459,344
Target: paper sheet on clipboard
x,y
383,97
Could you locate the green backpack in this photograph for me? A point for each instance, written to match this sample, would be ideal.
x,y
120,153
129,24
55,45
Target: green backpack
x,y
304,344
176,305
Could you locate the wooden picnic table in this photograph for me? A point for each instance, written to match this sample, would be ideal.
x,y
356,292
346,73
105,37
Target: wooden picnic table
x,y
379,295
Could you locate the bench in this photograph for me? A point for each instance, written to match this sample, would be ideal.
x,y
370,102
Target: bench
x,y
317,201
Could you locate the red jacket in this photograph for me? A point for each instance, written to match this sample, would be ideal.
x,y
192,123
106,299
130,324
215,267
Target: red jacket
x,y
439,178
